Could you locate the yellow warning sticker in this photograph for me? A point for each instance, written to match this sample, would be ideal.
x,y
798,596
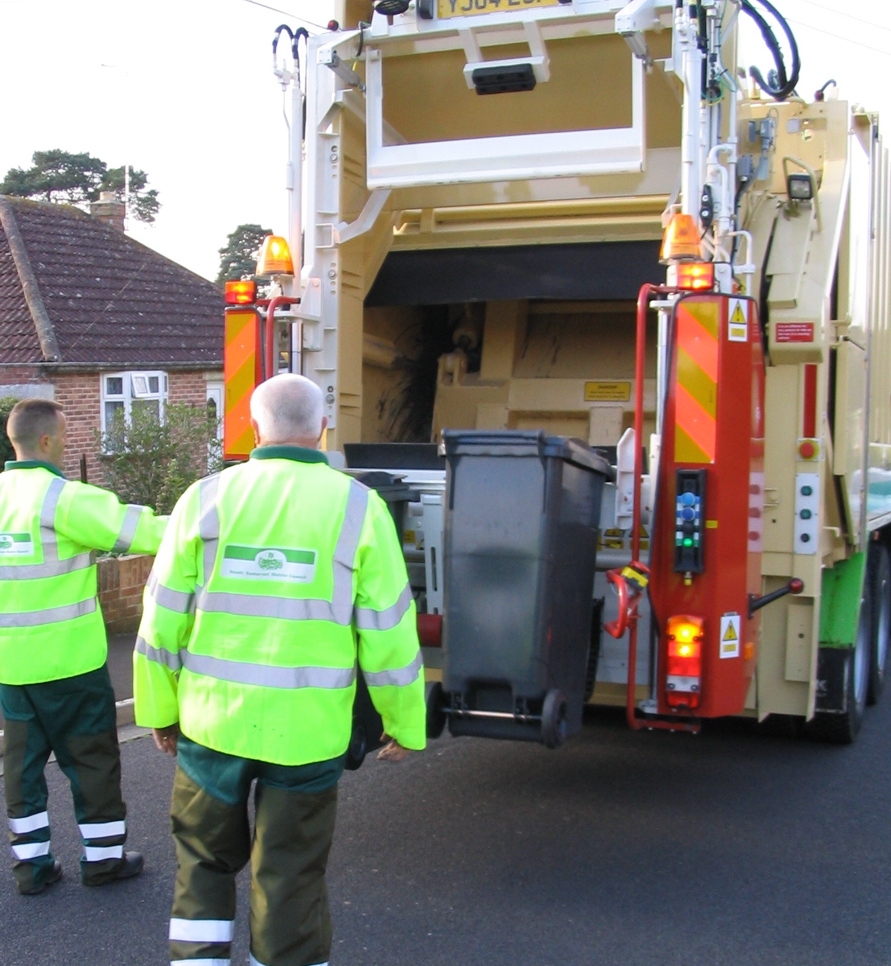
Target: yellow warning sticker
x,y
607,391
730,631
738,320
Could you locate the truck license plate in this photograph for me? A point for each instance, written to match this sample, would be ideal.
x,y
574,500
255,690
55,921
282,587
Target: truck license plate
x,y
468,8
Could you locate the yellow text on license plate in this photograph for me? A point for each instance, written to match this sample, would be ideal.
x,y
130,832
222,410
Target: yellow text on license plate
x,y
469,8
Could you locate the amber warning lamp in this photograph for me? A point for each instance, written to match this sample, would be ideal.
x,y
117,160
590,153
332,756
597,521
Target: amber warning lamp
x,y
681,239
241,292
692,276
274,257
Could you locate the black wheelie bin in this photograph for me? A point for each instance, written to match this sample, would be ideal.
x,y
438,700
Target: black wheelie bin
x,y
520,546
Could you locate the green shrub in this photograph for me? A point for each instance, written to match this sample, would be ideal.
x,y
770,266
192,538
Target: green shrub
x,y
149,462
6,450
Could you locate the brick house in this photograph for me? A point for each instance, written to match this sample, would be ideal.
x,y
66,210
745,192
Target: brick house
x,y
99,322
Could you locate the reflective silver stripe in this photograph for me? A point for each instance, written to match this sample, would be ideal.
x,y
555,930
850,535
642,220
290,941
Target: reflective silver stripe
x,y
209,522
160,655
30,850
386,619
50,502
51,568
51,615
345,553
264,675
128,528
401,677
286,608
95,854
202,962
201,931
102,830
179,601
21,826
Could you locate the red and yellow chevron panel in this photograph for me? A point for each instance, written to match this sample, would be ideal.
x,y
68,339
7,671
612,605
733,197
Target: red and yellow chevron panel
x,y
241,373
696,363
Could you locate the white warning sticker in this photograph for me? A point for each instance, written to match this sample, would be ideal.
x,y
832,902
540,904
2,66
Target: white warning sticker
x,y
730,631
738,320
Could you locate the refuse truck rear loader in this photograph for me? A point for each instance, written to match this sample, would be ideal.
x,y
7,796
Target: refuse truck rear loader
x,y
616,311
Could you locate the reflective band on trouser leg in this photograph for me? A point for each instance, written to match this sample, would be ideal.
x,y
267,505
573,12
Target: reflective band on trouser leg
x,y
201,937
30,823
30,850
201,930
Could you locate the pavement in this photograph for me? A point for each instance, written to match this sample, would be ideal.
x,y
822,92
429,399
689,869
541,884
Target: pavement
x,y
120,667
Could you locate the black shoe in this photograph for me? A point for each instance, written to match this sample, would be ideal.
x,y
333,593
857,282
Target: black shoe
x,y
131,865
54,876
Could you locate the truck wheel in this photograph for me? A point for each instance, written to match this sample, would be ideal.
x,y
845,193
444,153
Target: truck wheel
x,y
843,727
434,698
879,575
553,719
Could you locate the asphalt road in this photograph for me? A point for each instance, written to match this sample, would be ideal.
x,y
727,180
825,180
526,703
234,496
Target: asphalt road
x,y
726,849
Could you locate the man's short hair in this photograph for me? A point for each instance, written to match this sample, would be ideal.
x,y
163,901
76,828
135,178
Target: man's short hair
x,y
30,419
288,407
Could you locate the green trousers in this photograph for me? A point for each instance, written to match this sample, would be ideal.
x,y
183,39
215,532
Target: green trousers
x,y
75,719
293,828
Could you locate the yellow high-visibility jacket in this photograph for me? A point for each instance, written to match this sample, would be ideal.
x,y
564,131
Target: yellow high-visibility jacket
x,y
51,625
274,577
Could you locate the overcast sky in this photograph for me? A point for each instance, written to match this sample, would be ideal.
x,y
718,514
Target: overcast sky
x,y
188,96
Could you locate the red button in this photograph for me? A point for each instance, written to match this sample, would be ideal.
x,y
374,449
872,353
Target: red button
x,y
807,450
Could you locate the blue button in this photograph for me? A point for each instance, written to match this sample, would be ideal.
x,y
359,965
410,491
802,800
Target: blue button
x,y
687,499
688,513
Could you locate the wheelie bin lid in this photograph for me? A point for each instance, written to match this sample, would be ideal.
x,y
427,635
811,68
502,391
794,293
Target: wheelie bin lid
x,y
389,487
525,442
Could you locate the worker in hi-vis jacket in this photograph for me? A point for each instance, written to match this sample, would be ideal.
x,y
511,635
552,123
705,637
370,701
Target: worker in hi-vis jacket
x,y
55,690
274,578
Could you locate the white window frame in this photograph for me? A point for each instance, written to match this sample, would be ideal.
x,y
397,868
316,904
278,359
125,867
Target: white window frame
x,y
135,386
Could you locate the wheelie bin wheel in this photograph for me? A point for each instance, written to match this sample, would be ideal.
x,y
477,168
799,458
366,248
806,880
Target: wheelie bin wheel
x,y
553,719
434,698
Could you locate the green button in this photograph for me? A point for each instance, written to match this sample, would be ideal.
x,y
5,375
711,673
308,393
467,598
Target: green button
x,y
806,514
807,491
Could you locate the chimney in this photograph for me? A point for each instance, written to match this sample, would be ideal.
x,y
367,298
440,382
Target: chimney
x,y
109,210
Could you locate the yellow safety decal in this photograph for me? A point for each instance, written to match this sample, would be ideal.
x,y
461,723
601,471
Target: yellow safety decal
x,y
738,320
607,391
697,382
730,635
239,372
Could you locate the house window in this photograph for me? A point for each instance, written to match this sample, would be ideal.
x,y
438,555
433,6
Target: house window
x,y
129,392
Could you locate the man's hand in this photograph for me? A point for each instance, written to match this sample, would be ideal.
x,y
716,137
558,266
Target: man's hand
x,y
392,751
165,738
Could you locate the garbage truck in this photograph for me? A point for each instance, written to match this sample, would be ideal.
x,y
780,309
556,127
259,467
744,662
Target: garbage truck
x,y
614,307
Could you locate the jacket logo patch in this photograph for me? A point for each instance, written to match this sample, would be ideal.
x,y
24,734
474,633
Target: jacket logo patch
x,y
16,545
269,563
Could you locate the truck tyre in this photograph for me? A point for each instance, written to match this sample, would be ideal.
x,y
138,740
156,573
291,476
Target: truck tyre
x,y
553,719
843,727
879,576
435,702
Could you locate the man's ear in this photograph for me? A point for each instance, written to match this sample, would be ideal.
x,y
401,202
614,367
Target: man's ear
x,y
256,430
